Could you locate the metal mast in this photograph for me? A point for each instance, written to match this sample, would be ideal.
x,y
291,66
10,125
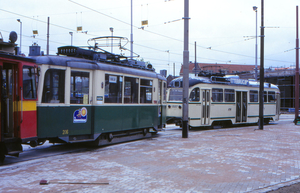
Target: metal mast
x,y
297,70
131,37
262,78
185,101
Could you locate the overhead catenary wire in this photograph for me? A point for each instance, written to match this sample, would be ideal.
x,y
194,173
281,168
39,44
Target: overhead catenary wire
x,y
36,19
148,31
155,33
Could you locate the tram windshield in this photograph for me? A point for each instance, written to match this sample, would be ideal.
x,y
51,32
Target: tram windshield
x,y
175,94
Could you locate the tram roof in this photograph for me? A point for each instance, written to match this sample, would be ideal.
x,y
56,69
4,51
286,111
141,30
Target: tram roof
x,y
233,80
16,57
82,63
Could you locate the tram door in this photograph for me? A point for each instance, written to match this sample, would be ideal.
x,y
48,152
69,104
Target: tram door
x,y
241,106
8,89
205,119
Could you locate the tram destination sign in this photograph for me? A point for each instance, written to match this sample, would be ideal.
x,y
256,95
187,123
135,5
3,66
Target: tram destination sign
x,y
239,81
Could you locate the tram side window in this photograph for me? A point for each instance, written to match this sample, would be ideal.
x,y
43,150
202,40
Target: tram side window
x,y
265,97
54,86
217,95
175,94
159,91
271,96
165,92
195,94
29,82
229,95
146,91
79,87
113,89
253,96
131,90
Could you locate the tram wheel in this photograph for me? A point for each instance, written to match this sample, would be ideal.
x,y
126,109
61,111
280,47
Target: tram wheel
x,y
110,137
33,143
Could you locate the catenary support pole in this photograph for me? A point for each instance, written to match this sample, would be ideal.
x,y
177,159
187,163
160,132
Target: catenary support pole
x,y
131,36
185,101
262,79
256,45
297,70
195,58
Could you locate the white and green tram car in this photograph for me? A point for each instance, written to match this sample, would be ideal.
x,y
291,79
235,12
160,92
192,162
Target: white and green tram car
x,y
222,101
88,96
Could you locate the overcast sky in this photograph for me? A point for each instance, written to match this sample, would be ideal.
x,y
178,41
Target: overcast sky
x,y
219,27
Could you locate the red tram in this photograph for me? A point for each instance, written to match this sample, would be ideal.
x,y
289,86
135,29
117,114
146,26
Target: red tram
x,y
18,95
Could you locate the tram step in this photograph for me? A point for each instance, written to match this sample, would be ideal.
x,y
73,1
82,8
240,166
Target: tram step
x,y
14,153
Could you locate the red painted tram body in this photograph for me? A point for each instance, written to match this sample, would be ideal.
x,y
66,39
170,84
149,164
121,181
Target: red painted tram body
x,y
18,95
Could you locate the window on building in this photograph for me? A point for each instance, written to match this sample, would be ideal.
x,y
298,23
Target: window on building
x,y
217,95
229,95
29,82
113,88
131,90
195,95
54,86
146,91
253,96
79,87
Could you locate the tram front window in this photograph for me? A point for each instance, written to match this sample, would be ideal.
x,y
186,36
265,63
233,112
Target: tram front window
x,y
29,83
175,95
271,96
195,94
54,86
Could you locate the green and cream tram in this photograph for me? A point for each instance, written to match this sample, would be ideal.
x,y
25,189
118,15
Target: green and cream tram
x,y
99,97
222,101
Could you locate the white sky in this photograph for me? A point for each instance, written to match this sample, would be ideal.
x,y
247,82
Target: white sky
x,y
221,25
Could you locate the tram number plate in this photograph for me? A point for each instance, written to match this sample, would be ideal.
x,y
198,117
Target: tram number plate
x,y
65,132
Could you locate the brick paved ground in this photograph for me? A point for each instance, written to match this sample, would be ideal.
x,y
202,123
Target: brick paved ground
x,y
224,160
